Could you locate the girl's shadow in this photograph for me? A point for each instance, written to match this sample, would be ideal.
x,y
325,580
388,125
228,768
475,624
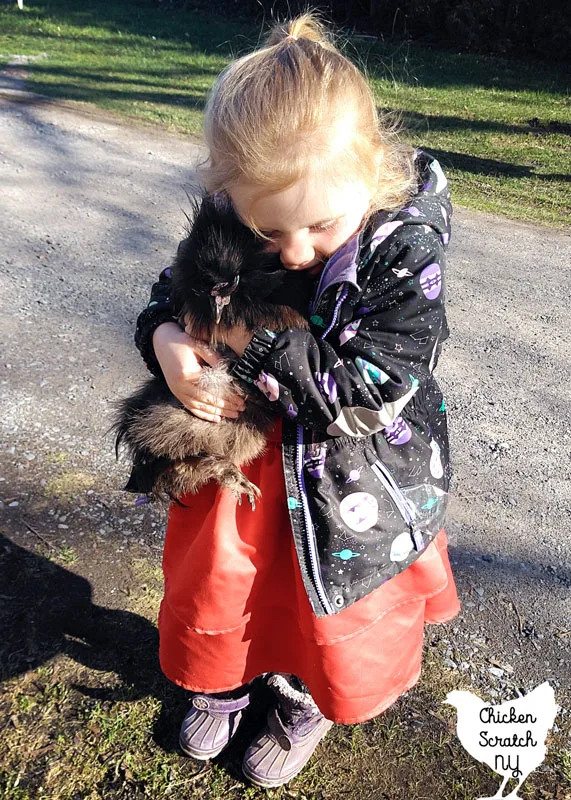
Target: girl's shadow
x,y
46,610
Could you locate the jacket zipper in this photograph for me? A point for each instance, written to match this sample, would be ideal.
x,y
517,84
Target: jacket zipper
x,y
309,529
404,506
338,304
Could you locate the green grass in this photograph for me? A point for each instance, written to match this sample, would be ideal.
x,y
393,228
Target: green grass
x,y
501,128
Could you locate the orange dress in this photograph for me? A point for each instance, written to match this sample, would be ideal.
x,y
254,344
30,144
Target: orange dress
x,y
235,606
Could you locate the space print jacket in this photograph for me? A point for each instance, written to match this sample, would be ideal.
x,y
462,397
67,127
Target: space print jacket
x,y
365,444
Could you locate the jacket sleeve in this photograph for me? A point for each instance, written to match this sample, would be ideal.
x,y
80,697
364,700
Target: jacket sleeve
x,y
158,310
358,380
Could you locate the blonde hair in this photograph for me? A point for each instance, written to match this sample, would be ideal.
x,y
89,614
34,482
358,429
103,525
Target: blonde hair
x,y
295,106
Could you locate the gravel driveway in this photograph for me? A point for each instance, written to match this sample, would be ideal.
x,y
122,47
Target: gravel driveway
x,y
92,208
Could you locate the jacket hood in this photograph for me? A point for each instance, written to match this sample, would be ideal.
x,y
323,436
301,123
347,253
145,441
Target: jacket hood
x,y
429,207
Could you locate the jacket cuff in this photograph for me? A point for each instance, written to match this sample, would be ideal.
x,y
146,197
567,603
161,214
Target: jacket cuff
x,y
249,365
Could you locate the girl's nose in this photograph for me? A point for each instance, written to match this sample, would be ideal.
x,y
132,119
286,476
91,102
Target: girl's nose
x,y
296,249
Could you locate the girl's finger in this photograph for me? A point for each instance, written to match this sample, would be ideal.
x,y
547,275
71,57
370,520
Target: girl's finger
x,y
203,415
200,409
218,403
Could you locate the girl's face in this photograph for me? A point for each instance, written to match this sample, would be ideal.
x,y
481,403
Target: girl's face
x,y
306,223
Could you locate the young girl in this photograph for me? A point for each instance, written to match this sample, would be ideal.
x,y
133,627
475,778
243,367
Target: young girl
x,y
325,588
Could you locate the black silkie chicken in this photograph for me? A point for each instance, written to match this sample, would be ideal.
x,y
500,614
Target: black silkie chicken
x,y
221,278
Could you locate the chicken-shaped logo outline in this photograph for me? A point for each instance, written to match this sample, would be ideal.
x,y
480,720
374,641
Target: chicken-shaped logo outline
x,y
508,737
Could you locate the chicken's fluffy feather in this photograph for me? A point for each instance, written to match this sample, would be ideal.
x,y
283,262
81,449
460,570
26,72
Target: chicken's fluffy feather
x,y
174,452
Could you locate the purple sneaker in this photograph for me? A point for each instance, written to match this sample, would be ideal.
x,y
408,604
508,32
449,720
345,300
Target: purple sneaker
x,y
286,744
210,724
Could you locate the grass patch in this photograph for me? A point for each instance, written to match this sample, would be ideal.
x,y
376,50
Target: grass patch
x,y
146,597
66,555
67,484
500,127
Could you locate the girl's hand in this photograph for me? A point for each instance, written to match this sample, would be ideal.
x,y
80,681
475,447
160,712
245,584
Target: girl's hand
x,y
181,359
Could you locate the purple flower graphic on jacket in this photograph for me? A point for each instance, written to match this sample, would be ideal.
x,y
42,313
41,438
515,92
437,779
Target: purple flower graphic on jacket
x,y
268,385
327,386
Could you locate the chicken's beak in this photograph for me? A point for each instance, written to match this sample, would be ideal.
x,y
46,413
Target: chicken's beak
x,y
220,302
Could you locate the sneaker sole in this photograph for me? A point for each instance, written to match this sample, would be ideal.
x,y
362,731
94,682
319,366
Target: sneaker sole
x,y
200,755
265,783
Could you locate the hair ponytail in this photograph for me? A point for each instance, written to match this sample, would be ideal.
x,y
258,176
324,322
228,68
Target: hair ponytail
x,y
299,106
306,26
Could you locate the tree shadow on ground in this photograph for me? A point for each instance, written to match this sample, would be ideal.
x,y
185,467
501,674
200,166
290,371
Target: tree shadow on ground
x,y
420,123
215,34
67,87
491,167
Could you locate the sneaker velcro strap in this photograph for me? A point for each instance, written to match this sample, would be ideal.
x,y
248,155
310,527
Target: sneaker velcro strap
x,y
217,705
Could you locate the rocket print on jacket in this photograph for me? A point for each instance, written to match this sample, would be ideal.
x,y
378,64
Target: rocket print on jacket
x,y
436,468
370,372
327,386
314,460
361,421
398,433
383,232
349,331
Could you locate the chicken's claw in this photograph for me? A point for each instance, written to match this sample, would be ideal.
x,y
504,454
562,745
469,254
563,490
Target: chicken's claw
x,y
239,484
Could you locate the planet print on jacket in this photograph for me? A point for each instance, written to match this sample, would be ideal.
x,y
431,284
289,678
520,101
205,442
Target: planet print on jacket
x,y
345,555
401,547
359,511
354,475
431,281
